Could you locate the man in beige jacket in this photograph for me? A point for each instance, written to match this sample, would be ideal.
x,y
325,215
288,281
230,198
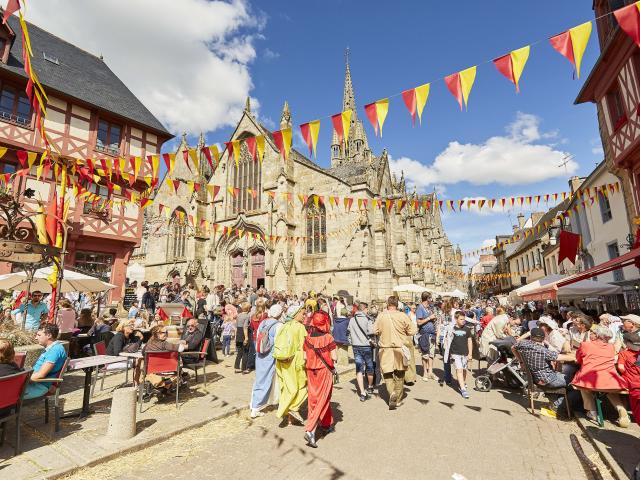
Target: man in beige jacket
x,y
392,328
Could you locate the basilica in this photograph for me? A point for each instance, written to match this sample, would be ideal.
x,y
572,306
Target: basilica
x,y
362,250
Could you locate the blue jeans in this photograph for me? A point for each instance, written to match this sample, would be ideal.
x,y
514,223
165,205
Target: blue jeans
x,y
364,359
35,390
558,380
447,365
226,344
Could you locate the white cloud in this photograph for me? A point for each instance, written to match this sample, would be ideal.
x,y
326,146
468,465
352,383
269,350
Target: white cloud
x,y
522,156
187,61
270,54
489,242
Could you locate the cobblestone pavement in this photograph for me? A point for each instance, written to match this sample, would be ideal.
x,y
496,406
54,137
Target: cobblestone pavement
x,y
433,435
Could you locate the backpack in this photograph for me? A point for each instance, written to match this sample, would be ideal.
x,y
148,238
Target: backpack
x,y
283,347
263,341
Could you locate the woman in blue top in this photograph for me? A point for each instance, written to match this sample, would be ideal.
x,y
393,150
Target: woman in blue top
x,y
265,363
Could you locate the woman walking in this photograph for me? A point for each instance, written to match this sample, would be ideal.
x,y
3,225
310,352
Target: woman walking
x,y
290,371
265,363
320,355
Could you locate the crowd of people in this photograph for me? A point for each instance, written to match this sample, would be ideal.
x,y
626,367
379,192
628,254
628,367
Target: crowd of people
x,y
294,342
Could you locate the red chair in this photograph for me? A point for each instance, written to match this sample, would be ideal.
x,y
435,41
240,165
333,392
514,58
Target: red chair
x,y
12,388
19,359
160,363
200,361
99,348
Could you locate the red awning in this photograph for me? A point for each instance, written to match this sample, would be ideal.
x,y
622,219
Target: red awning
x,y
614,264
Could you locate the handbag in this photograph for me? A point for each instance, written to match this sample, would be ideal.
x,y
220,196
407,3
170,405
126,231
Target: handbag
x,y
334,372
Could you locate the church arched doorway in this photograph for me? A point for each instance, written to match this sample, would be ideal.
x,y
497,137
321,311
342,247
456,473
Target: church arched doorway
x,y
257,268
237,270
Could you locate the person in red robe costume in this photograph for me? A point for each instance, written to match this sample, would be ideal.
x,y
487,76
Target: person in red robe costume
x,y
318,346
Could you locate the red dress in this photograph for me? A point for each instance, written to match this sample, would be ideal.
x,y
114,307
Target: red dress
x,y
597,367
631,374
319,379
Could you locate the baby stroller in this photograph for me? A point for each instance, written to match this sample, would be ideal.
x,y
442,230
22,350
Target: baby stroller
x,y
505,369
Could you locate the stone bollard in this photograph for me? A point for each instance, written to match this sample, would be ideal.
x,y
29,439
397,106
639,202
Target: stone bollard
x,y
122,421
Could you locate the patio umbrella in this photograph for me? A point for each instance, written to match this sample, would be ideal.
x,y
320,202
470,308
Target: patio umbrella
x,y
71,282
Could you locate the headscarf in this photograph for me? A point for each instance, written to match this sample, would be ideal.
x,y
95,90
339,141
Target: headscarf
x,y
292,311
275,311
320,321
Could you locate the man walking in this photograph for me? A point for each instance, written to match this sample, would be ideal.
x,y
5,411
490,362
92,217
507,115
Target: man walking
x,y
359,331
392,327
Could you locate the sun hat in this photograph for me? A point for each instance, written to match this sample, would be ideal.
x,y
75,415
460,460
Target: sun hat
x,y
275,311
631,318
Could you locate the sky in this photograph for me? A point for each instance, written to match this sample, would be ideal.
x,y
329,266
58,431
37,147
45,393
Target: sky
x,y
194,62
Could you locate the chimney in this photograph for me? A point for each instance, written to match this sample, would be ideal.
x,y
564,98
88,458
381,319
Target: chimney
x,y
520,220
575,183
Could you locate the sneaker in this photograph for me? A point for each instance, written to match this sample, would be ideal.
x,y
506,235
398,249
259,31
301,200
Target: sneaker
x,y
296,417
393,401
310,438
623,418
370,390
256,413
592,415
432,376
464,393
363,398
425,378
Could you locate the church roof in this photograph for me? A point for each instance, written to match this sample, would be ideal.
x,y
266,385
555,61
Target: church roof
x,y
78,74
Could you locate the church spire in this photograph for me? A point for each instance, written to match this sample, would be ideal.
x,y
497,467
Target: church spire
x,y
285,118
348,98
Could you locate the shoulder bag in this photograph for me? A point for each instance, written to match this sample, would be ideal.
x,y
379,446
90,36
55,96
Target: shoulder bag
x,y
372,341
334,372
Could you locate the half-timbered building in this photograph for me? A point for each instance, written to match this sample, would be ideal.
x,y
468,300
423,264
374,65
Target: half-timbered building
x,y
91,114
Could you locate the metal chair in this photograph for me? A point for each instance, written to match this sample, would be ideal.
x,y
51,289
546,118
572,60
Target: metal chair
x,y
54,391
533,388
201,360
161,363
12,388
99,348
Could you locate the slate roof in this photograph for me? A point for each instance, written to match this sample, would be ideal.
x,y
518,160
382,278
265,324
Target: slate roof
x,y
353,172
79,74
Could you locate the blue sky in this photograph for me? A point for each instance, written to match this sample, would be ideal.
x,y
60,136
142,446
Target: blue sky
x,y
193,66
400,45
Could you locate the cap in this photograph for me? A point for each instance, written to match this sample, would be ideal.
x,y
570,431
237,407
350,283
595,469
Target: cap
x,y
537,333
631,318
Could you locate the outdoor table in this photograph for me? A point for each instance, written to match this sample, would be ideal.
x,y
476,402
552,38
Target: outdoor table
x,y
134,356
88,364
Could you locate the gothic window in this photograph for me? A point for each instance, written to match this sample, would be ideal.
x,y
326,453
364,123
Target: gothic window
x,y
177,240
247,178
316,226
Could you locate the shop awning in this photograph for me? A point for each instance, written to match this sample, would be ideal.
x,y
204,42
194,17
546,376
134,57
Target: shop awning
x,y
575,290
614,264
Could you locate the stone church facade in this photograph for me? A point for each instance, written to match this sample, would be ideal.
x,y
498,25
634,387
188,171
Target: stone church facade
x,y
365,251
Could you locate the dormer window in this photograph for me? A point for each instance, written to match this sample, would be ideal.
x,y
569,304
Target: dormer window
x,y
108,138
14,106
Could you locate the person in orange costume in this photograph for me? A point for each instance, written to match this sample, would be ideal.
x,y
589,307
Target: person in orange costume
x,y
320,355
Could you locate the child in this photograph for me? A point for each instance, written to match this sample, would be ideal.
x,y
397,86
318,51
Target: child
x,y
459,349
228,327
630,369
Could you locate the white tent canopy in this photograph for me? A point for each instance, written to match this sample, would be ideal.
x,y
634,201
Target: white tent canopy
x,y
547,289
410,288
71,282
454,294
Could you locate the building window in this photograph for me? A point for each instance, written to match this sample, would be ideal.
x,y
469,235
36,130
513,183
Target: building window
x,y
6,167
614,252
616,108
96,205
177,240
316,226
15,106
605,207
95,264
247,178
108,138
